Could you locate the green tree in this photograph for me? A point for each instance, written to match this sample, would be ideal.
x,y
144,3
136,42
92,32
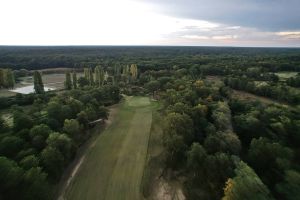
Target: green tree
x,y
179,124
152,86
29,162
10,174
71,127
68,81
82,118
62,143
133,71
290,187
53,161
38,82
82,81
99,75
39,135
223,142
195,159
35,185
86,73
222,116
245,185
10,146
21,121
91,77
175,149
74,80
269,159
1,78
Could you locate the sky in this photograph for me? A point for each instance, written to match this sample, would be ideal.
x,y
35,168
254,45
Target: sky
x,y
254,23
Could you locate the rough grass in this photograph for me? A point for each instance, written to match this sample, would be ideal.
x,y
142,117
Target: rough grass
x,y
155,162
113,167
6,93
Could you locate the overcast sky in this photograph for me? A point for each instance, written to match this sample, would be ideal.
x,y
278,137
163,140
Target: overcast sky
x,y
150,22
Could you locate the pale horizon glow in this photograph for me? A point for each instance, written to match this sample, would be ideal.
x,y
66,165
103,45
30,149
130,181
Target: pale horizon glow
x,y
120,22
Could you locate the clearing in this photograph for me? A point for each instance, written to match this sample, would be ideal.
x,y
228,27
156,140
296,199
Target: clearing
x,y
285,75
113,167
54,81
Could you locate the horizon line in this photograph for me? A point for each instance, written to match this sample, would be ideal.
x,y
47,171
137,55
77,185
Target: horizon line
x,y
99,45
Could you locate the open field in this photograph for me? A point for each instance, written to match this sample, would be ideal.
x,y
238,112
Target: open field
x,y
113,167
54,80
252,97
285,75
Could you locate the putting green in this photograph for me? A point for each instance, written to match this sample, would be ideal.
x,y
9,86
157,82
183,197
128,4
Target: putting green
x,y
113,167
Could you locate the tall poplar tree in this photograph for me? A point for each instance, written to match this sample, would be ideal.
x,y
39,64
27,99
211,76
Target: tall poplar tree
x,y
97,75
38,82
68,81
74,77
91,77
1,78
133,71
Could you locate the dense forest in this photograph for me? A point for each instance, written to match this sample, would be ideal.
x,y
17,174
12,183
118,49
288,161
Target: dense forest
x,y
155,57
220,145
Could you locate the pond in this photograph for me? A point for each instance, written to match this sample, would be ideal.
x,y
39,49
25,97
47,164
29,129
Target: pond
x,y
29,89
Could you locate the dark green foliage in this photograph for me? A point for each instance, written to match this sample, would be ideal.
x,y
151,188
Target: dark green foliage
x,y
22,121
38,82
82,81
10,146
196,86
35,185
290,187
195,159
74,80
294,81
10,175
52,161
38,135
68,81
245,185
152,86
29,162
265,155
223,142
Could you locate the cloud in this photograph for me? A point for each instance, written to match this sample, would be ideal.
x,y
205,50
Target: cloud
x,y
150,22
290,35
221,34
267,15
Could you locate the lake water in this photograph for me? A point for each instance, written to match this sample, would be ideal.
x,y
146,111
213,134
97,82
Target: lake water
x,y
29,89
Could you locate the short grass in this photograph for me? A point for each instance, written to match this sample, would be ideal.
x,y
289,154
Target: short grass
x,y
113,167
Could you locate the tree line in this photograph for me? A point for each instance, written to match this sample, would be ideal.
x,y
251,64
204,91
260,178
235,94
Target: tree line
x,y
45,136
224,147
